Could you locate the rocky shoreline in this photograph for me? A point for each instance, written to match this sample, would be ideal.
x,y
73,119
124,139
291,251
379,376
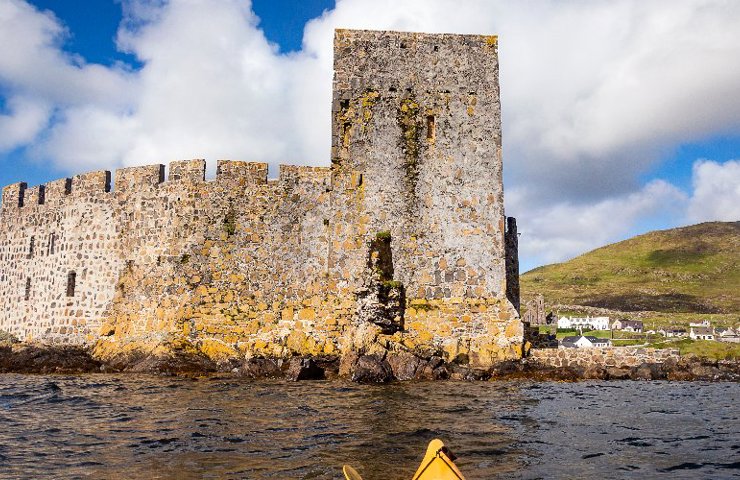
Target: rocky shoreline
x,y
43,359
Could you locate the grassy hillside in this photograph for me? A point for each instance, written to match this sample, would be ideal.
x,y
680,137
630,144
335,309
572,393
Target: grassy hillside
x,y
690,269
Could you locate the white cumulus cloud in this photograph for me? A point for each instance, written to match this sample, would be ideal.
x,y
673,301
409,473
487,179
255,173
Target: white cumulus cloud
x,y
25,120
716,193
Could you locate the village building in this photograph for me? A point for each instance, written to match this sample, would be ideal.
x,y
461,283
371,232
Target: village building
x,y
671,332
727,335
584,323
582,341
535,313
628,325
701,333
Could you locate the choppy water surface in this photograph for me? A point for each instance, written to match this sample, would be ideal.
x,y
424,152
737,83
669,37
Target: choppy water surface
x,y
142,427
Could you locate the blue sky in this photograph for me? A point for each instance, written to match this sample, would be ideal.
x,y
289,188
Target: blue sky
x,y
619,117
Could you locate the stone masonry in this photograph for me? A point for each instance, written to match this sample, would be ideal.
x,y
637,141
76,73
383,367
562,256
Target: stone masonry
x,y
618,357
401,242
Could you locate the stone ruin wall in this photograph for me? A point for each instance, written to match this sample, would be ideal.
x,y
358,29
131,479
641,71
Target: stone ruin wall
x,y
600,357
412,206
157,256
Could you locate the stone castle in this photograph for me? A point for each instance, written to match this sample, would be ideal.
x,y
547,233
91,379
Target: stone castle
x,y
402,244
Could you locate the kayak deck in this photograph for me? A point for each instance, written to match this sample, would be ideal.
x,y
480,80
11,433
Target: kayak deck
x,y
437,464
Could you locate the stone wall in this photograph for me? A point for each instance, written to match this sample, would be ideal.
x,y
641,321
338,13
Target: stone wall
x,y
404,233
600,357
50,237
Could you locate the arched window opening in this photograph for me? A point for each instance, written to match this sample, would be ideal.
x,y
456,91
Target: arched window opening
x,y
52,243
71,281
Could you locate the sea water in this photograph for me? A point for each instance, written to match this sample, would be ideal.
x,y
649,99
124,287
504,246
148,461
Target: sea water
x,y
148,427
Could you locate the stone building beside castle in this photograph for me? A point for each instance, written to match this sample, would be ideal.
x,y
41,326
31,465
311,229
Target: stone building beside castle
x,y
402,244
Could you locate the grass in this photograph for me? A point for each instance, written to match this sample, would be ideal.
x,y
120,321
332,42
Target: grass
x,y
703,348
689,270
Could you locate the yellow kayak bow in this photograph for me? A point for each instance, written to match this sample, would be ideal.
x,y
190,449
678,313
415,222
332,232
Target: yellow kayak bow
x,y
437,465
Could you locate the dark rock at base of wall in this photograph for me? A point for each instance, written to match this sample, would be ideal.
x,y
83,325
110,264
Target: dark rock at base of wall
x,y
404,365
173,364
372,369
434,369
43,359
648,371
304,368
295,369
367,368
618,373
260,368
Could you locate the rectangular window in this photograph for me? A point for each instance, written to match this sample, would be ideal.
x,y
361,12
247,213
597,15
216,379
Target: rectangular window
x,y
28,288
431,128
71,280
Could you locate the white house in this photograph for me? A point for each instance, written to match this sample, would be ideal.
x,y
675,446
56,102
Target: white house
x,y
628,325
582,341
701,333
672,332
584,323
727,335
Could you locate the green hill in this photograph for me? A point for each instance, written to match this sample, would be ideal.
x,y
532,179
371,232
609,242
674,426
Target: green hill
x,y
693,269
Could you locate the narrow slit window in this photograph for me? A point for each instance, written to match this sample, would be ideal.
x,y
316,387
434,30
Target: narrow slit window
x,y
71,281
431,128
31,245
52,243
28,289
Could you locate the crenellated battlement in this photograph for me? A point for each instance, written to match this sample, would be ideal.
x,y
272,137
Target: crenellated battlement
x,y
91,183
229,173
57,190
14,195
192,171
292,174
34,196
241,174
135,178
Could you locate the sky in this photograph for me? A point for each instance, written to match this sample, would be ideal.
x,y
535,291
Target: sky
x,y
619,116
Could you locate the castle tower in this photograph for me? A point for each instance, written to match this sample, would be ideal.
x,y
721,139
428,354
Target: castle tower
x,y
416,158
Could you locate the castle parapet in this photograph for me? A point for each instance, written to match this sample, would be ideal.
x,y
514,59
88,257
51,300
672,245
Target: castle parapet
x,y
292,174
134,178
13,195
34,195
56,190
236,173
91,182
192,171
